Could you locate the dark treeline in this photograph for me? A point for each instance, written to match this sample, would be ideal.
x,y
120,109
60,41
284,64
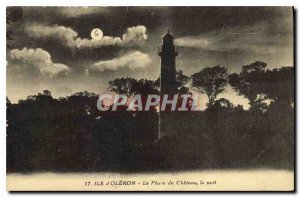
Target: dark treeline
x,y
71,134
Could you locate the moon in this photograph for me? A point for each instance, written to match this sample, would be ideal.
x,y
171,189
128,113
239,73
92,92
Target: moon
x,y
97,34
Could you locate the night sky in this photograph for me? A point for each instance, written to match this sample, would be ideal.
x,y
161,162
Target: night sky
x,y
51,47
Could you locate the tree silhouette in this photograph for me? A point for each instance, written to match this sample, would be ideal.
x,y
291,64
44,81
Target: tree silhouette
x,y
181,79
248,82
210,81
131,87
223,103
122,85
258,84
145,87
70,134
279,84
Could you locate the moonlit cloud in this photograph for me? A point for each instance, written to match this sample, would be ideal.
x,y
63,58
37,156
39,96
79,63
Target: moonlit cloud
x,y
256,38
192,41
69,37
135,34
73,12
38,59
90,43
132,60
65,34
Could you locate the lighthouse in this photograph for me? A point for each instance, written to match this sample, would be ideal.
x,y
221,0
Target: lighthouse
x,y
168,84
168,53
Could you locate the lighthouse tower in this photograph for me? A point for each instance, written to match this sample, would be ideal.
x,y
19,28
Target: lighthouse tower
x,y
168,54
168,84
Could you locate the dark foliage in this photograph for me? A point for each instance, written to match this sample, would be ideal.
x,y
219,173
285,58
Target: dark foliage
x,y
210,81
71,134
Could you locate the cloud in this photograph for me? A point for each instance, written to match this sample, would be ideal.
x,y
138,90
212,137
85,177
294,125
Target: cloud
x,y
65,34
105,41
259,38
40,60
73,12
192,41
266,44
132,60
135,34
69,37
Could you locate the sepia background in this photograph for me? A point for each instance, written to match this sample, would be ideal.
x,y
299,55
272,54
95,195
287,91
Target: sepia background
x,y
239,60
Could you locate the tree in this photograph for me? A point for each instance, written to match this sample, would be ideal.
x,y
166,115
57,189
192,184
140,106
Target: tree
x,y
210,81
122,85
146,121
130,87
145,87
46,93
279,84
249,82
258,84
223,103
181,79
